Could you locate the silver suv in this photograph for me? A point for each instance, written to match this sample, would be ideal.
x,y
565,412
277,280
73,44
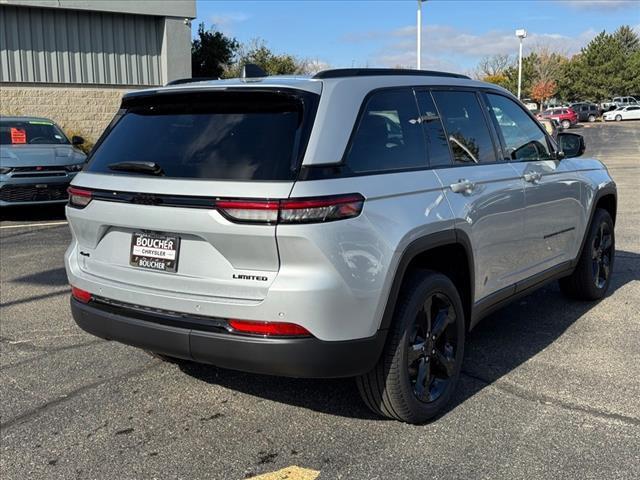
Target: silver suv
x,y
356,223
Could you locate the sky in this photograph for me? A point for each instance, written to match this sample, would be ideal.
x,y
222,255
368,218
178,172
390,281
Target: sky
x,y
381,33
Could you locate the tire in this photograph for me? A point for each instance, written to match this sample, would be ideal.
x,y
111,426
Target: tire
x,y
618,118
566,124
592,276
393,387
592,118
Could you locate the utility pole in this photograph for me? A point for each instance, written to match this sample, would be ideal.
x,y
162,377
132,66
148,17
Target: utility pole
x,y
419,35
521,34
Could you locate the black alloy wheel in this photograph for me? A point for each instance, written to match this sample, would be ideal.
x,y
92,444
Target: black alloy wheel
x,y
592,275
601,251
431,355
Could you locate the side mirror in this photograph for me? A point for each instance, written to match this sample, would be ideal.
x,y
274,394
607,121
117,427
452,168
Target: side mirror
x,y
76,140
571,145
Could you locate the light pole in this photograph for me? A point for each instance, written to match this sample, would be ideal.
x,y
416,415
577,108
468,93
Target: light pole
x,y
521,33
419,35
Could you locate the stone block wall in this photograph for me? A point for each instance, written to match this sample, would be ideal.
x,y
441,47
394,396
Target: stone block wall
x,y
84,111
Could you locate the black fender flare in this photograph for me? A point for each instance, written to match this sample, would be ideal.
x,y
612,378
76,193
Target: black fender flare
x,y
420,245
609,189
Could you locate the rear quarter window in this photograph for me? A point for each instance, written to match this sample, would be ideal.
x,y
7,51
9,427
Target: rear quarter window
x,y
389,135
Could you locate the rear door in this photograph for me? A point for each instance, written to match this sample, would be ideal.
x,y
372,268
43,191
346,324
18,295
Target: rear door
x,y
485,193
158,228
552,187
632,113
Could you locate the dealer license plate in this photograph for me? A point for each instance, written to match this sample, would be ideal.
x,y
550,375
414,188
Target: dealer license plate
x,y
155,251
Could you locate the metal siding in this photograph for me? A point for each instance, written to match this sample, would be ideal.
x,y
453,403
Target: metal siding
x,y
68,46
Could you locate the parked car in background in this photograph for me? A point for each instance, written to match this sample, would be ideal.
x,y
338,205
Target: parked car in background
x,y
618,102
552,126
587,112
37,161
623,113
566,116
530,104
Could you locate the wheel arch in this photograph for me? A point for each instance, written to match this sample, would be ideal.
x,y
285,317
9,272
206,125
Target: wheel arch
x,y
448,252
607,199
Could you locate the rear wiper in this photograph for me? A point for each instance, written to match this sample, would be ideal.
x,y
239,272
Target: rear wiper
x,y
151,168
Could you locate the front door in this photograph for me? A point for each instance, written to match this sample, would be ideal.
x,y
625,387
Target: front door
x,y
552,187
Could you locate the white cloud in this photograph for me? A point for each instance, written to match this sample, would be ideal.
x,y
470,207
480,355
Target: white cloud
x,y
606,5
226,21
449,48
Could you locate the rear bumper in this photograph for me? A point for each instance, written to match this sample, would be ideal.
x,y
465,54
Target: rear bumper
x,y
291,357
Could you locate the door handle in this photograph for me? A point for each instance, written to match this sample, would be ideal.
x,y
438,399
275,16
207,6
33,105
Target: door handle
x,y
532,177
462,186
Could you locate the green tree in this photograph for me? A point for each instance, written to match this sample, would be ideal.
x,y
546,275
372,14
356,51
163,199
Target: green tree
x,y
258,53
598,72
211,53
528,75
628,39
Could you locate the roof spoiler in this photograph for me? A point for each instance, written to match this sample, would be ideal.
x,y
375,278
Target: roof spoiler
x,y
180,81
371,72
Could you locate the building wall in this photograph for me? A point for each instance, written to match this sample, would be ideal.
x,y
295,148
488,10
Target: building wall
x,y
163,8
84,111
70,46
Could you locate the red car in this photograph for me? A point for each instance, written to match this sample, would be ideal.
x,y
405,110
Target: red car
x,y
565,116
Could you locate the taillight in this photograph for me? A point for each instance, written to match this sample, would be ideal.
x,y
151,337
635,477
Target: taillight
x,y
81,295
269,328
324,209
78,197
300,210
249,210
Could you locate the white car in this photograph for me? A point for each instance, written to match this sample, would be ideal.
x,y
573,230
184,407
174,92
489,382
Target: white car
x,y
631,112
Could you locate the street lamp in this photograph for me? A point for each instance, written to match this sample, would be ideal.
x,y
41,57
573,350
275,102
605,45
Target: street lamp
x,y
521,33
419,34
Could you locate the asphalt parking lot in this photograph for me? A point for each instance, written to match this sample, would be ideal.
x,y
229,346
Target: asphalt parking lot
x,y
551,387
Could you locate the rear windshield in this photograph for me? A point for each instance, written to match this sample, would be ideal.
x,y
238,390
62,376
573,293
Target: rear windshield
x,y
31,132
213,136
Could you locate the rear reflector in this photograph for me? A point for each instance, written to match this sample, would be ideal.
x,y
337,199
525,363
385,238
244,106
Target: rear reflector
x,y
300,210
269,328
81,295
78,197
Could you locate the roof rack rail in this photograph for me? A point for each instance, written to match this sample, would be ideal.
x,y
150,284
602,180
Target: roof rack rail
x,y
370,72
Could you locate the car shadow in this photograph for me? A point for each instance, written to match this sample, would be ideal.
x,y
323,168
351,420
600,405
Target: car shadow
x,y
54,277
32,213
498,345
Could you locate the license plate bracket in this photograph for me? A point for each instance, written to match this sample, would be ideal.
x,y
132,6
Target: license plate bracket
x,y
155,251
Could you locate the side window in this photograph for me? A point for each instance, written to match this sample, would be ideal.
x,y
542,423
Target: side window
x,y
464,122
522,136
437,145
389,135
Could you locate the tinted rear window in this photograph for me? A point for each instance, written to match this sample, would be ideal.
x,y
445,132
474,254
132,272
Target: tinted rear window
x,y
213,136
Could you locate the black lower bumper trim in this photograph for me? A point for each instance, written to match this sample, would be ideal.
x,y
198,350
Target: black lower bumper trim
x,y
290,357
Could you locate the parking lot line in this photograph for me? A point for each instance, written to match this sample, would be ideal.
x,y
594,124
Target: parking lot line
x,y
290,473
47,224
